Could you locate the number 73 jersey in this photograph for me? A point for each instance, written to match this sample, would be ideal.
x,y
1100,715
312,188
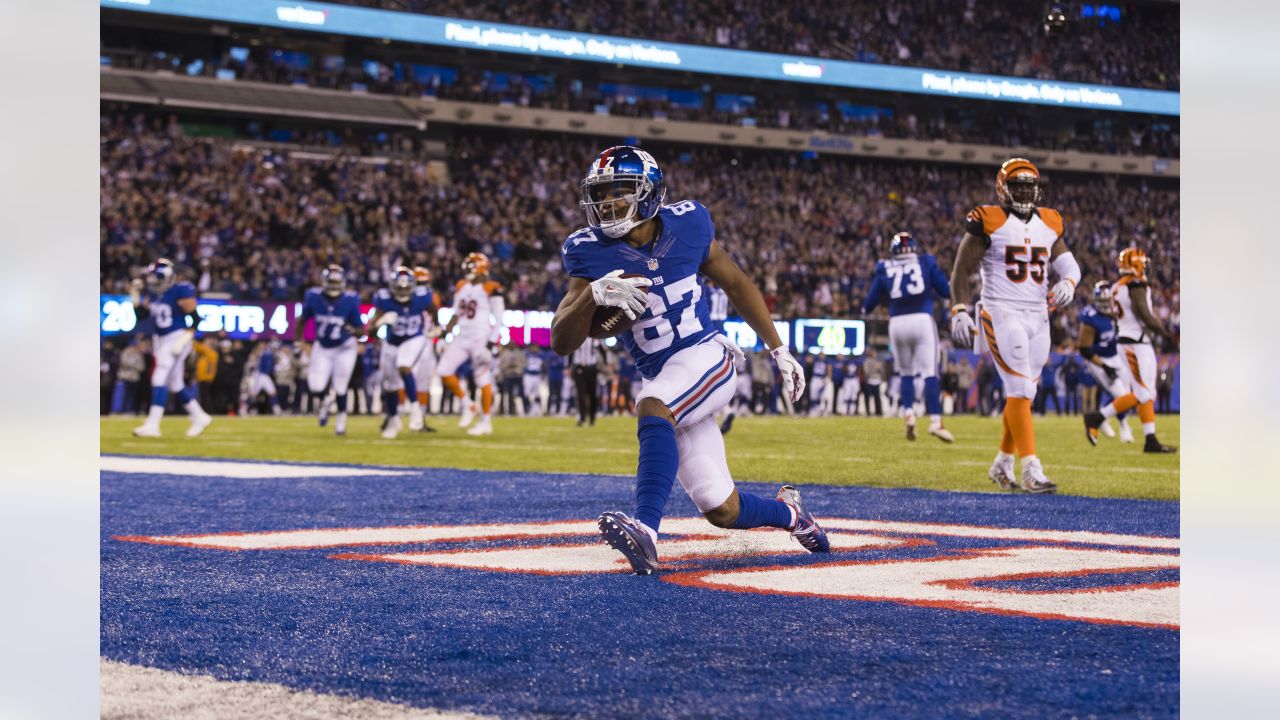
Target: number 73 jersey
x,y
679,314
1015,267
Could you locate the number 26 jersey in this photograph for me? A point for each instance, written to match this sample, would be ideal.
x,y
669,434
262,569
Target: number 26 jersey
x,y
1015,267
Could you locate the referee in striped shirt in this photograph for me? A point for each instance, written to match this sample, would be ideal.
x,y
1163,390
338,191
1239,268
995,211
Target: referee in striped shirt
x,y
586,370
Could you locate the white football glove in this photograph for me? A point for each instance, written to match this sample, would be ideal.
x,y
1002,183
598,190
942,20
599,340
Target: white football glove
x,y
630,294
1061,294
739,357
385,318
792,372
962,328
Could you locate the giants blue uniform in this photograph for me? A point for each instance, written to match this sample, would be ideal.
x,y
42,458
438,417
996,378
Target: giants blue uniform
x,y
907,281
166,314
1105,333
332,315
408,322
679,313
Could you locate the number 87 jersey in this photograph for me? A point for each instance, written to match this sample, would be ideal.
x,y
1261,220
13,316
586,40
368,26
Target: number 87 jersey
x,y
1015,267
679,314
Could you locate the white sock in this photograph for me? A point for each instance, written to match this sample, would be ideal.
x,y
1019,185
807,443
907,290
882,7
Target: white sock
x,y
935,419
1002,456
653,534
193,408
1109,410
1030,460
154,414
795,518
1149,428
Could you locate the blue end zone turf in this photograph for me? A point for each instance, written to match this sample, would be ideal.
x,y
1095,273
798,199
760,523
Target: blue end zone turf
x,y
521,644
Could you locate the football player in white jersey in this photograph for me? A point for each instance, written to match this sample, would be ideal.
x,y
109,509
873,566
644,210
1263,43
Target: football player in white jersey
x,y
1014,245
1137,325
475,300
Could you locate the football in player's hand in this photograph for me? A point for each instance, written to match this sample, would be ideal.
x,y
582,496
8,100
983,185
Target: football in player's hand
x,y
609,321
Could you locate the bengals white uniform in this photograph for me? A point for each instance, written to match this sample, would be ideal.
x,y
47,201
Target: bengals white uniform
x,y
1013,314
473,331
1134,341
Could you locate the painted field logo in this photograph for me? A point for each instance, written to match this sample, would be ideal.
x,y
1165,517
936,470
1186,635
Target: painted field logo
x,y
1054,574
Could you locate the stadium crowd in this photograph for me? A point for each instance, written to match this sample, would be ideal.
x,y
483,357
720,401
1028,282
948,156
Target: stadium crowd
x,y
255,223
831,110
1001,37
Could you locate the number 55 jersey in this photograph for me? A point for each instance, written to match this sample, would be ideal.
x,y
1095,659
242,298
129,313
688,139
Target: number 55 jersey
x,y
679,314
1015,267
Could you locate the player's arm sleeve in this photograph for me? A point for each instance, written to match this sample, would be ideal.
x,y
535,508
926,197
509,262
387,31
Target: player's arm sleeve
x,y
873,295
711,229
497,305
574,263
1066,266
941,285
974,225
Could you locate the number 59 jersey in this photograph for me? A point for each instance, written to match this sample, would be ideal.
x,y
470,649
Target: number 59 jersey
x,y
679,314
1015,267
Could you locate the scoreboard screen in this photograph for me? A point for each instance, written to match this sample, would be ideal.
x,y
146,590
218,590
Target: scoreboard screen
x,y
833,337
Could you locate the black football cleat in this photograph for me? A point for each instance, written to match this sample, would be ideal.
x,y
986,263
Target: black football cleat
x,y
1092,422
1155,446
727,425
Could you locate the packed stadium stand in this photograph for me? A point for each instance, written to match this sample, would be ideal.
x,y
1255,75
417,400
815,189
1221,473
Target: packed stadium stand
x,y
1139,49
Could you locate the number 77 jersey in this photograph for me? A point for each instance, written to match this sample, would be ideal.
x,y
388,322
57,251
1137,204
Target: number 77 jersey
x,y
679,314
1015,267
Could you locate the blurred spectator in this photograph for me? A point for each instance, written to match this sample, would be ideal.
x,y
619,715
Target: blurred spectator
x,y
206,370
873,374
132,365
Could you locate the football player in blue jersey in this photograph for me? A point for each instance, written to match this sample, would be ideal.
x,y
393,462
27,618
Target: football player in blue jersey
x,y
907,282
171,305
1097,343
401,306
336,312
648,259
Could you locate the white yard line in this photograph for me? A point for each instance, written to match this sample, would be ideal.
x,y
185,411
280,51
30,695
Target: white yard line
x,y
141,693
233,469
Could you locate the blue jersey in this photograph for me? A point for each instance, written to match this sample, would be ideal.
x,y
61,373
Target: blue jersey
x,y
820,368
907,281
555,367
408,322
1104,331
267,362
679,314
626,368
332,315
533,362
166,313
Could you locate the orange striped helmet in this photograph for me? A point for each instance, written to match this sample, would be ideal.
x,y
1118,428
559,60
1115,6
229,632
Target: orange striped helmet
x,y
1018,185
1133,261
421,274
476,264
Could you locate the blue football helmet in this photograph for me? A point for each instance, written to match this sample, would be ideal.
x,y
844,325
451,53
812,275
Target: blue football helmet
x,y
335,280
623,188
902,244
160,275
1102,297
402,284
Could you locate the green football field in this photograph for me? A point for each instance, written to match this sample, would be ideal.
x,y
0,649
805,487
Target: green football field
x,y
839,451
